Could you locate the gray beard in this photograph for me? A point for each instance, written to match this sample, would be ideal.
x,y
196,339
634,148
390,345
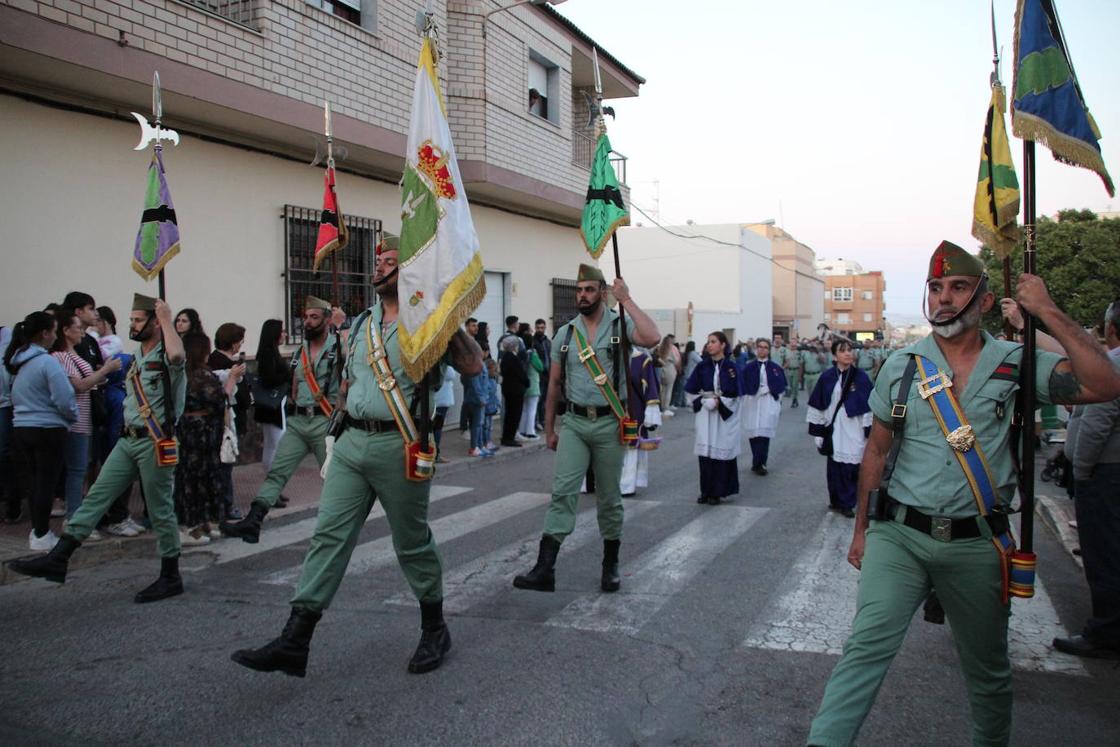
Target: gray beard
x,y
966,321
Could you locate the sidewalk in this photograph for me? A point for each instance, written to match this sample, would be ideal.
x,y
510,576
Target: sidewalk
x,y
302,493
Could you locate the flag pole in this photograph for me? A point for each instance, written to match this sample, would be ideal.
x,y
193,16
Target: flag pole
x,y
601,127
157,115
328,130
1008,330
1026,471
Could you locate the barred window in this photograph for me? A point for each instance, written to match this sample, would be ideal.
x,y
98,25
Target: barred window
x,y
354,266
564,307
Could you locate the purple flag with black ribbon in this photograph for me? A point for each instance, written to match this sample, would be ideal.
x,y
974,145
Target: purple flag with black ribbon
x,y
158,239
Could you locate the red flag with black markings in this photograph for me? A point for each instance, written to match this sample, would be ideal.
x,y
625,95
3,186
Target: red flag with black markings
x,y
332,229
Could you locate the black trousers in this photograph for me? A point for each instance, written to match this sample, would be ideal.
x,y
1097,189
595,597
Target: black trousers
x,y
39,462
515,400
1097,505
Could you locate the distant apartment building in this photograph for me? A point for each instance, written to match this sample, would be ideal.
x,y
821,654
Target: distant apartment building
x,y
798,288
853,300
244,83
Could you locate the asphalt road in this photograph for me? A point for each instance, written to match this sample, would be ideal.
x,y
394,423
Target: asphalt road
x,y
724,633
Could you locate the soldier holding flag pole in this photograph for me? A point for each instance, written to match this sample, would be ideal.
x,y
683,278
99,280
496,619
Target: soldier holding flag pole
x,y
587,384
381,452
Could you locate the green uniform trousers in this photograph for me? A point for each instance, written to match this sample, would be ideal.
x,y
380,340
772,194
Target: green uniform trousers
x,y
585,442
793,376
129,458
367,467
303,434
900,565
811,380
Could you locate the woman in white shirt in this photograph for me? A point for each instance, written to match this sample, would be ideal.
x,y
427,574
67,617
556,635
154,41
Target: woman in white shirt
x,y
839,418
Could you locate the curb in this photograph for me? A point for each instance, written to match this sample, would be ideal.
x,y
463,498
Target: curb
x,y
504,454
1057,513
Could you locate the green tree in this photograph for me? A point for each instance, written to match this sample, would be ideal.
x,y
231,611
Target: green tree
x,y
1077,255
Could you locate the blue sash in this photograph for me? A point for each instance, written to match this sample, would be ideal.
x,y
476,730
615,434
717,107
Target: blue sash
x,y
935,387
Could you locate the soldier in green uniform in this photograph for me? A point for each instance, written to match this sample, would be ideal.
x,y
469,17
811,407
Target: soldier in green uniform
x,y
866,361
789,359
368,464
589,433
813,362
147,448
928,533
316,369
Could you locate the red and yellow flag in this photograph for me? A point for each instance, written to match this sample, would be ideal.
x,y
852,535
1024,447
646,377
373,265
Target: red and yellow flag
x,y
332,229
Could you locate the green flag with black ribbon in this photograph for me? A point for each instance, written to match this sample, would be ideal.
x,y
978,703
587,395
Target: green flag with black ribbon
x,y
604,211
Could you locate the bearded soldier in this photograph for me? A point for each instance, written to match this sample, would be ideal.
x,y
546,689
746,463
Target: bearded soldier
x,y
588,374
371,461
316,368
156,392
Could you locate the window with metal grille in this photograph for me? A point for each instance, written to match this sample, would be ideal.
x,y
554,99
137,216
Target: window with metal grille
x,y
354,265
563,302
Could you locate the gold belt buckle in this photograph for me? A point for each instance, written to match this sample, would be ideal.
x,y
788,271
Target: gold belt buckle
x,y
592,412
927,391
941,528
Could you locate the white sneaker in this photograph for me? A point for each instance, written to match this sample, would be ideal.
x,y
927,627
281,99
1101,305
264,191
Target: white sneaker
x,y
186,539
121,529
45,543
140,528
668,414
58,511
466,436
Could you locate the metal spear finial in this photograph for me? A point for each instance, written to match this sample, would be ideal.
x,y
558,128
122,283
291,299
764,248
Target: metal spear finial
x,y
995,48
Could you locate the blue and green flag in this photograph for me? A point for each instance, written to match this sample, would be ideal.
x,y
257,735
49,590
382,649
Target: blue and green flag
x,y
1048,106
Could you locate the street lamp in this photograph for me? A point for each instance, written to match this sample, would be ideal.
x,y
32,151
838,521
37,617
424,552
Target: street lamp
x,y
519,2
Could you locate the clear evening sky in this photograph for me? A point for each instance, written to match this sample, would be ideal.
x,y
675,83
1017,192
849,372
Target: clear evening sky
x,y
856,125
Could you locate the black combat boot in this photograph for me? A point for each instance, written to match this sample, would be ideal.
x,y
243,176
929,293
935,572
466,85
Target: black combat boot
x,y
51,566
435,639
542,577
288,653
169,583
249,528
611,581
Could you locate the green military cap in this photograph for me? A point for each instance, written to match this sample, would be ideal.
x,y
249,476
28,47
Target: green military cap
x,y
950,259
143,303
388,241
311,302
590,272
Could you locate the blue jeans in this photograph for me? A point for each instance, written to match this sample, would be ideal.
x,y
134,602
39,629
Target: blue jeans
x,y
487,422
475,414
76,458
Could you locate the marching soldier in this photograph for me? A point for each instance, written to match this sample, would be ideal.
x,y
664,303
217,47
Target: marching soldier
x,y
156,392
950,400
378,456
813,362
588,374
316,368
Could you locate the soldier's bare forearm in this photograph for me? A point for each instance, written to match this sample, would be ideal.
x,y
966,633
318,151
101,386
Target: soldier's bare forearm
x,y
1088,376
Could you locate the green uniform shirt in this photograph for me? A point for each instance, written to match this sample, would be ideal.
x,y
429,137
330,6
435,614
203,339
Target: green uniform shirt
x,y
579,388
151,377
321,365
812,362
927,474
779,355
364,398
865,359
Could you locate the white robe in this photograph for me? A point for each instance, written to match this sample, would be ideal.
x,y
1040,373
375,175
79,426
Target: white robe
x,y
635,463
717,438
848,440
762,411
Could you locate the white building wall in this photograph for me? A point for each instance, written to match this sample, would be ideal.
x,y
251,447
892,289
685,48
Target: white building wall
x,y
72,215
727,280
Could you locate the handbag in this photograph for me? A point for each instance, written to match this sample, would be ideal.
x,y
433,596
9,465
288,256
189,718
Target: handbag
x,y
826,449
268,398
229,450
98,407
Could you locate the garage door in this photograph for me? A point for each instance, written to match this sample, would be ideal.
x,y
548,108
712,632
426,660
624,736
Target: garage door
x,y
492,310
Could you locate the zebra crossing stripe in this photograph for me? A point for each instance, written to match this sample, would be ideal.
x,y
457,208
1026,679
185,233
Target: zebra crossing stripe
x,y
491,574
814,613
659,573
379,553
229,550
